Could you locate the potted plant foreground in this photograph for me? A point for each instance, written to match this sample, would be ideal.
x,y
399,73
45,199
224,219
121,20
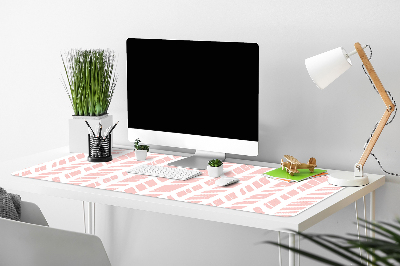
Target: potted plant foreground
x,y
215,168
140,150
90,83
354,249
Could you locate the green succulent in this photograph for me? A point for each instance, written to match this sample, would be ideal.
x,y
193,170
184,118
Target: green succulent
x,y
215,163
91,80
140,147
382,251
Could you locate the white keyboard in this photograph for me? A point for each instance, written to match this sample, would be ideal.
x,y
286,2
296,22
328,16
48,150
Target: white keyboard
x,y
163,171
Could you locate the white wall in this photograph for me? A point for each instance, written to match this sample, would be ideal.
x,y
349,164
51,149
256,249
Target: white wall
x,y
295,117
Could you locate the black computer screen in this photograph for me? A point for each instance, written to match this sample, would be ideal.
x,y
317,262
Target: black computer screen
x,y
193,87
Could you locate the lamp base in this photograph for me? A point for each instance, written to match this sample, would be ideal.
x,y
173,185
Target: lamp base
x,y
348,180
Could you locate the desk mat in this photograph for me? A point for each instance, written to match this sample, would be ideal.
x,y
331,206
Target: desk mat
x,y
254,192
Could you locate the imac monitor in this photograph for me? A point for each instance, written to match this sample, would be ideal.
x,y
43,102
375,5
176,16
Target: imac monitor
x,y
199,95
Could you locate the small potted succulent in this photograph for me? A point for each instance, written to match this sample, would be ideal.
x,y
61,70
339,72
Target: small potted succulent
x,y
214,168
140,151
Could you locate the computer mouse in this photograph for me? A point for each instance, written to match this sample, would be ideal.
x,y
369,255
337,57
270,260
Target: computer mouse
x,y
225,181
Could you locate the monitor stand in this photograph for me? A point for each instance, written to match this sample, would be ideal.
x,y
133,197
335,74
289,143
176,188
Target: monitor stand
x,y
199,160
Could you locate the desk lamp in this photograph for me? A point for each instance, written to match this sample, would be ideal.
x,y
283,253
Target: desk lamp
x,y
323,70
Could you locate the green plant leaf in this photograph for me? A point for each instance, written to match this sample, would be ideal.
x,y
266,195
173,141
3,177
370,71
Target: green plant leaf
x,y
91,80
384,251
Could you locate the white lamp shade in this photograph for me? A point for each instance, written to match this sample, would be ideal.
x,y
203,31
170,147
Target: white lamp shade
x,y
326,67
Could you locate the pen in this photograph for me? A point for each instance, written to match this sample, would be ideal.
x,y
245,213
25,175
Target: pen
x,y
100,129
106,132
89,127
112,129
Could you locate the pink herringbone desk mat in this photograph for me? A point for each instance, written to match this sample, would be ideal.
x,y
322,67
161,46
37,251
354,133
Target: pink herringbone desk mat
x,y
254,192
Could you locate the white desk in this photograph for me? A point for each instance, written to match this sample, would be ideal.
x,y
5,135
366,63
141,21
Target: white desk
x,y
298,223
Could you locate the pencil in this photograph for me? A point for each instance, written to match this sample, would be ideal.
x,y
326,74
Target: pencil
x,y
89,127
90,132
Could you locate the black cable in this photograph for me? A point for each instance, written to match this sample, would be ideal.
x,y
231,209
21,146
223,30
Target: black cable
x,y
387,123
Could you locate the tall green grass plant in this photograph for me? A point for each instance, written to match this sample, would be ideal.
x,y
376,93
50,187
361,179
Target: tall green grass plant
x,y
91,79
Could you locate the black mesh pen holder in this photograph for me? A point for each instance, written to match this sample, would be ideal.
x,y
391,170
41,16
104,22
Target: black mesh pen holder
x,y
99,149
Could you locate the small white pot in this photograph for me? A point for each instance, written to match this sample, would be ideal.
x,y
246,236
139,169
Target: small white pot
x,y
215,171
141,155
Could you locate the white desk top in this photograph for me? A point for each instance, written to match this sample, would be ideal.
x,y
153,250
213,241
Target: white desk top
x,y
299,222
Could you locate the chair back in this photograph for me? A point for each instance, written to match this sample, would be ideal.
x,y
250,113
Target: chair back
x,y
32,214
23,243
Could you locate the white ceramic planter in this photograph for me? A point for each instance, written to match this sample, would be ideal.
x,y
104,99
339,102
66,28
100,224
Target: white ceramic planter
x,y
78,131
141,155
215,171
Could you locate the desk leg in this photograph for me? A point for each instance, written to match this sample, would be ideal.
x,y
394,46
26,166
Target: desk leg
x,y
292,245
372,210
298,254
89,214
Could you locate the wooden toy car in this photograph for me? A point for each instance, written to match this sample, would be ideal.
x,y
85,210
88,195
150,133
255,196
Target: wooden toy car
x,y
293,164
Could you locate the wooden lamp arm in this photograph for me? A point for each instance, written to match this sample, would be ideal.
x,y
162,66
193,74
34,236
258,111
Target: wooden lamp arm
x,y
389,109
378,84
